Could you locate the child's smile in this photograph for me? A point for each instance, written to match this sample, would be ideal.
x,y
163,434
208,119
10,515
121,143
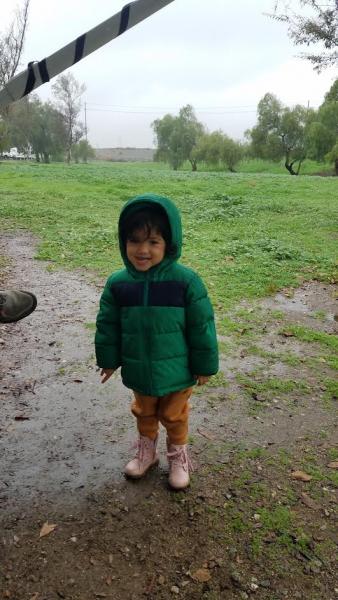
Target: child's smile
x,y
145,251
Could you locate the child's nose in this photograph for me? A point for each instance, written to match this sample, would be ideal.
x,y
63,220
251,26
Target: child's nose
x,y
143,247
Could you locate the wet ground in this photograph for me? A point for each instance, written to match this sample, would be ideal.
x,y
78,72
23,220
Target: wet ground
x,y
64,439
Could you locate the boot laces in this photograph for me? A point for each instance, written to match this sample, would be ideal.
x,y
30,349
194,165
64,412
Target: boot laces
x,y
179,457
141,446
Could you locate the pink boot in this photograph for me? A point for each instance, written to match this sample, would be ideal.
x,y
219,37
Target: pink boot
x,y
145,457
179,465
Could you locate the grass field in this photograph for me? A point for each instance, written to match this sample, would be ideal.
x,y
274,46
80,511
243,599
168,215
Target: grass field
x,y
247,234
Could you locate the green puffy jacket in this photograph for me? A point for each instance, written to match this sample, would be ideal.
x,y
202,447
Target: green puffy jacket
x,y
157,325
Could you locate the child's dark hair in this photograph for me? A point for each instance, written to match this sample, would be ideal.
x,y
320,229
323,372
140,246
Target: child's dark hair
x,y
147,219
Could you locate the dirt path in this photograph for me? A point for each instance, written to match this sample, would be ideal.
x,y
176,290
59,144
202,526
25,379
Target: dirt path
x,y
64,440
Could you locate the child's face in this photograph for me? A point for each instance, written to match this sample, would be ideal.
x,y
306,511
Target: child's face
x,y
145,251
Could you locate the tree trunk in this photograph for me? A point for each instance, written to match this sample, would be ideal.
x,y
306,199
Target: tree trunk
x,y
289,167
299,166
336,166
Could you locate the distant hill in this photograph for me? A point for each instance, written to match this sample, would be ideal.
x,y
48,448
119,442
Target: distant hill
x,y
125,154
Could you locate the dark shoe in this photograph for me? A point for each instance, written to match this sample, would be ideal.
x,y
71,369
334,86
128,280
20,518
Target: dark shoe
x,y
15,305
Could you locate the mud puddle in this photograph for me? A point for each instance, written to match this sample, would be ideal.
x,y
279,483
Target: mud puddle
x,y
58,424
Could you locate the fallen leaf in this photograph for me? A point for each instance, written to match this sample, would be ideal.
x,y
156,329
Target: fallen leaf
x,y
201,575
47,528
287,333
300,476
333,464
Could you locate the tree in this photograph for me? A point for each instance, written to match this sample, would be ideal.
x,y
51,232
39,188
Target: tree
x,y
35,126
218,148
177,137
318,25
292,135
169,148
280,132
12,43
319,140
19,124
323,131
4,140
209,148
232,153
11,47
332,156
190,131
49,134
68,94
83,151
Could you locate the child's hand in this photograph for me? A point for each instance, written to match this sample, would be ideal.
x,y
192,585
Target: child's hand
x,y
202,379
106,374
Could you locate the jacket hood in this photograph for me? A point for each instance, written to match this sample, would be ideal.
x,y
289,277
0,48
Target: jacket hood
x,y
174,218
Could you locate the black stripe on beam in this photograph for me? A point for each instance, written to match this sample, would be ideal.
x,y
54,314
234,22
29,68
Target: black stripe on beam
x,y
79,48
43,71
125,12
30,80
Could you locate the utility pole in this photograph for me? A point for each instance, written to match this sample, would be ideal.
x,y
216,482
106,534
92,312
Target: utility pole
x,y
85,111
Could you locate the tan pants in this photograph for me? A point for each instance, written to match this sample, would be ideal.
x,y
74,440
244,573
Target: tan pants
x,y
171,410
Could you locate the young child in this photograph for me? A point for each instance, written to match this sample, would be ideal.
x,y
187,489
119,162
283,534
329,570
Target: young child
x,y
157,323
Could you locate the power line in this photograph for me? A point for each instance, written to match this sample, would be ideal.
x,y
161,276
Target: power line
x,y
140,112
166,107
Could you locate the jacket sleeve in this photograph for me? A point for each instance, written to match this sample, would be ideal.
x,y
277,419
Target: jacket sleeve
x,y
108,331
201,333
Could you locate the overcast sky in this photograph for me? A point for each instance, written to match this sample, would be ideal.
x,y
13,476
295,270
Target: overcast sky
x,y
220,56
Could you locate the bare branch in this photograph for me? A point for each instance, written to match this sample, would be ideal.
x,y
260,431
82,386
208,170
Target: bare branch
x,y
12,43
317,25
